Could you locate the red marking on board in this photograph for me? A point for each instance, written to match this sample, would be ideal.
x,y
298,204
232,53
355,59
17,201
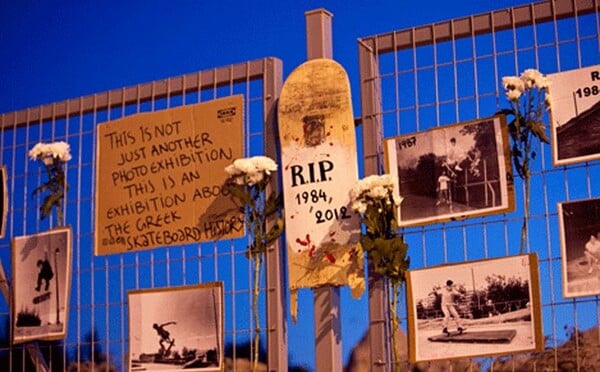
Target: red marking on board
x,y
330,257
301,242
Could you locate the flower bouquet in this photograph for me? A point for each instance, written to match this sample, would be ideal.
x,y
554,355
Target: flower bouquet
x,y
53,156
373,198
529,97
247,183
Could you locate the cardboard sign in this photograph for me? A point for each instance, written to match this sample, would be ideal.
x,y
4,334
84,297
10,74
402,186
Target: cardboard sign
x,y
160,177
575,115
319,168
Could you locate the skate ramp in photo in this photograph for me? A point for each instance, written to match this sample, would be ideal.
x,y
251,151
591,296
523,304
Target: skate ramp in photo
x,y
492,336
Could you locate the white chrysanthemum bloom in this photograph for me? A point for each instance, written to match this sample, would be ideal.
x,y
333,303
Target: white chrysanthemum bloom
x,y
244,165
513,83
250,171
531,77
232,170
264,164
60,150
543,83
254,178
359,206
513,95
378,192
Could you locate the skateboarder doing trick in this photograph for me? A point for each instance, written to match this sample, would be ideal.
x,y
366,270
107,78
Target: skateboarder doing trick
x,y
448,293
46,274
164,335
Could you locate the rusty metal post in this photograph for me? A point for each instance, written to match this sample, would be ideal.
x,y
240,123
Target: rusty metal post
x,y
328,340
378,334
277,346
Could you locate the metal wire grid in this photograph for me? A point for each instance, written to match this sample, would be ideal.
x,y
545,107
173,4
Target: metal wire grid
x,y
450,72
98,320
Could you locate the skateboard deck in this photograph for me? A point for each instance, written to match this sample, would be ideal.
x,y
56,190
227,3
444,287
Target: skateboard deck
x,y
319,168
491,336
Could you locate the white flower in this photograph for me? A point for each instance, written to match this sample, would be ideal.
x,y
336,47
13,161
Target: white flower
x,y
264,163
373,189
60,150
543,83
531,77
359,206
512,83
513,95
250,171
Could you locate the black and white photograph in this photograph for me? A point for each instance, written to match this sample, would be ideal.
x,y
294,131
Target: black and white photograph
x,y
477,308
575,115
41,281
176,328
3,201
580,247
452,172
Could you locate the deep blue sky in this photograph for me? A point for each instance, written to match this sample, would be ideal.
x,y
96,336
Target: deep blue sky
x,y
55,50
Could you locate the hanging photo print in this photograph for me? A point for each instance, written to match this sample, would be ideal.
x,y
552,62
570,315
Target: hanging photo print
x,y
580,247
452,172
575,115
41,285
477,308
176,328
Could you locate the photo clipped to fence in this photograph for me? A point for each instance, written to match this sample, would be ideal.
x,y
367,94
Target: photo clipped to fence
x,y
580,247
477,308
41,285
176,328
575,115
161,177
452,172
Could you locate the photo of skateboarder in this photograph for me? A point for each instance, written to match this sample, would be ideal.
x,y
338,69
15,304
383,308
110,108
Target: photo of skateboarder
x,y
42,282
165,336
449,295
188,323
45,274
450,172
474,308
579,222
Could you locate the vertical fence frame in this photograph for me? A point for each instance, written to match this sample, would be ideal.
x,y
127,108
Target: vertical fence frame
x,y
156,94
371,49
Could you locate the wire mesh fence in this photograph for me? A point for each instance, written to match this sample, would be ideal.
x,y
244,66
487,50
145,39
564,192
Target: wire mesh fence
x,y
435,75
98,320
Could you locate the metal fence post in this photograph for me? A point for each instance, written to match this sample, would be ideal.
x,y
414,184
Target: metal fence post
x,y
277,346
328,341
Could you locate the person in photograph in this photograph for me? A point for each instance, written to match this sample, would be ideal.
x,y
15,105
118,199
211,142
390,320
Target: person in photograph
x,y
443,189
455,155
165,336
592,251
45,274
448,296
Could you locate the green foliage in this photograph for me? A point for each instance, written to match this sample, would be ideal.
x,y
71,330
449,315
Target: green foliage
x,y
56,186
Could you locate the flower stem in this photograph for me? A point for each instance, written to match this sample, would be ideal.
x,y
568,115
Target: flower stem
x,y
395,322
257,265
